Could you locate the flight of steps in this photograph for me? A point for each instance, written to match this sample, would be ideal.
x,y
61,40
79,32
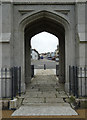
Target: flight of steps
x,y
43,99
44,91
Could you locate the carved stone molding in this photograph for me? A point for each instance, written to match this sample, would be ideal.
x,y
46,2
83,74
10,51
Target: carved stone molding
x,y
23,12
65,12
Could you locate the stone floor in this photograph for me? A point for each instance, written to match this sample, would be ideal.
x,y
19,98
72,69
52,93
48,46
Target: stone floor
x,y
45,96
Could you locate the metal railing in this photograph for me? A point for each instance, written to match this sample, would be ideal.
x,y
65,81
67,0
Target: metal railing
x,y
78,81
10,82
32,71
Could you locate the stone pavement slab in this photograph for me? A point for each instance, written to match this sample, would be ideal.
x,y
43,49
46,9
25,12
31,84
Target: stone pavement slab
x,y
46,72
33,100
44,110
54,100
47,104
47,95
31,95
32,90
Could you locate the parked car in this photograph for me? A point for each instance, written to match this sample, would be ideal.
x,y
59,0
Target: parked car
x,y
49,58
53,58
57,59
41,57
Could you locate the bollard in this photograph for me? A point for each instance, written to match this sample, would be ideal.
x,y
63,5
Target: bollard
x,y
44,66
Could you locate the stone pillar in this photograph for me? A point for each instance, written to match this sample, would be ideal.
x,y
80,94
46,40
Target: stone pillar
x,y
62,61
5,38
6,34
81,26
86,34
0,36
0,57
27,60
81,33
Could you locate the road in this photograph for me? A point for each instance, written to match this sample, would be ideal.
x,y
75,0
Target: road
x,y
39,64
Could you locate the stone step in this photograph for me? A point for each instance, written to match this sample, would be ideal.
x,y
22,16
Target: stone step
x,y
31,95
39,92
47,95
33,100
46,90
41,96
43,100
62,96
47,111
54,100
46,104
44,87
32,90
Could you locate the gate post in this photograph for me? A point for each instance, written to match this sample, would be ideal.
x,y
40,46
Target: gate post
x,y
32,70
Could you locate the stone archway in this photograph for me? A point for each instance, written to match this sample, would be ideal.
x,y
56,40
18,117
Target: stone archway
x,y
52,23
40,25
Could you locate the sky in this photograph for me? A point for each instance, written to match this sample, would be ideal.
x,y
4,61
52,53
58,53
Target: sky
x,y
44,42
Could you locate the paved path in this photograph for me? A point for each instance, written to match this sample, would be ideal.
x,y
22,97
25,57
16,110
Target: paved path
x,y
44,96
44,72
39,64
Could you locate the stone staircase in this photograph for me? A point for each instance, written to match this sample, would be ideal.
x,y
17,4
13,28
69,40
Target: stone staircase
x,y
44,97
44,90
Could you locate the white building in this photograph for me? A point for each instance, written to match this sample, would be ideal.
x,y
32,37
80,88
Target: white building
x,y
34,54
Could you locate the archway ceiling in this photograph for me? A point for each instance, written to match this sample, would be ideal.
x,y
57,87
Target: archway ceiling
x,y
47,25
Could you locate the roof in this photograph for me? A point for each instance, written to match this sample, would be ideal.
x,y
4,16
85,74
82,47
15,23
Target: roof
x,y
35,51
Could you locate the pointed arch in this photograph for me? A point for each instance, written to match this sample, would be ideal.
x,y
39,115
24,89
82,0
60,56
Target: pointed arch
x,y
52,22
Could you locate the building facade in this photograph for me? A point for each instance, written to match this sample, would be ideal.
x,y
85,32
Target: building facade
x,y
34,55
20,20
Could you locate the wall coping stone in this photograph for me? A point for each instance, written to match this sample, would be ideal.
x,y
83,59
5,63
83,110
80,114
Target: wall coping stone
x,y
44,1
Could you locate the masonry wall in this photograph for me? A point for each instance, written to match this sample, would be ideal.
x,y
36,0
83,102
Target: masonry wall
x,y
5,44
86,34
81,42
6,34
81,32
10,47
0,36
